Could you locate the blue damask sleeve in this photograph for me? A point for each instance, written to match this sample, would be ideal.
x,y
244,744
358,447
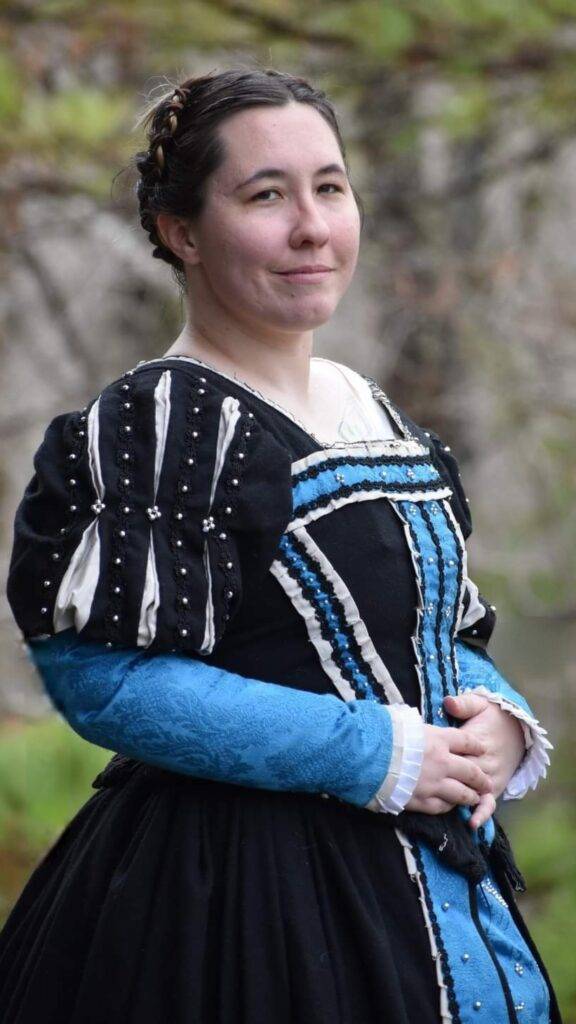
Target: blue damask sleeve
x,y
180,713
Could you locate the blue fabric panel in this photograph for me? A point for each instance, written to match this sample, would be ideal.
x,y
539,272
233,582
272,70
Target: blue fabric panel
x,y
469,969
476,668
181,714
332,480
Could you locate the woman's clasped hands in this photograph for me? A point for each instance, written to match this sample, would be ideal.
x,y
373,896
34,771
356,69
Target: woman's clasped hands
x,y
470,765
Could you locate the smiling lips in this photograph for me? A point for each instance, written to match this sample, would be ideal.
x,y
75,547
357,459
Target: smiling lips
x,y
317,268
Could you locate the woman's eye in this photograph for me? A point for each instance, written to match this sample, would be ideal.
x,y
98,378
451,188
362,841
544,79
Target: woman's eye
x,y
269,191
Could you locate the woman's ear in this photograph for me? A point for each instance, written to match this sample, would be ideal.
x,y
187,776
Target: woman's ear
x,y
176,234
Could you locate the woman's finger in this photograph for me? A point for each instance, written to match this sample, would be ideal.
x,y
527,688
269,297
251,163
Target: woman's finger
x,y
456,793
463,741
470,773
484,810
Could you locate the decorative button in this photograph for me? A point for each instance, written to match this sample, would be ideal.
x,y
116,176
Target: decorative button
x,y
208,524
153,512
519,968
98,506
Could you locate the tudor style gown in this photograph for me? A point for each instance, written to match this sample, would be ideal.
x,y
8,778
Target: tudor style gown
x,y
183,513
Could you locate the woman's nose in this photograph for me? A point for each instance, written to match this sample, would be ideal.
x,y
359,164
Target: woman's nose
x,y
309,225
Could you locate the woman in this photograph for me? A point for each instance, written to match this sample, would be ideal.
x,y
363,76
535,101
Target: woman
x,y
243,569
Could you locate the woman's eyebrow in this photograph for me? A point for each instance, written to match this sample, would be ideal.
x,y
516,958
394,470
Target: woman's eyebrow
x,y
275,172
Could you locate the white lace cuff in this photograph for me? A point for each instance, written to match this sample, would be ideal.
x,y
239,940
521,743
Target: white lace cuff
x,y
536,760
406,762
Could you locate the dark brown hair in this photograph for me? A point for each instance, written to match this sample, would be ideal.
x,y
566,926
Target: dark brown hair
x,y
185,148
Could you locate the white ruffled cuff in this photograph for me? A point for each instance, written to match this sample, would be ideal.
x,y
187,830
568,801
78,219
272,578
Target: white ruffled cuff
x,y
406,761
535,764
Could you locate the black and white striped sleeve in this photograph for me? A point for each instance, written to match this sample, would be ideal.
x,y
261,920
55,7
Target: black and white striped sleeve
x,y
147,514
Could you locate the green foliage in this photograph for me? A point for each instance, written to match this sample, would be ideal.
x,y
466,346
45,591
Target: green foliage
x,y
45,776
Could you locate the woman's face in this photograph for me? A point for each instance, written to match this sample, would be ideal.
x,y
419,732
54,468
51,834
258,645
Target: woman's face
x,y
300,212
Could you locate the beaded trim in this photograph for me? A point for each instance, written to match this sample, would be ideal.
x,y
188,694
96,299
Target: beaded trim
x,y
333,621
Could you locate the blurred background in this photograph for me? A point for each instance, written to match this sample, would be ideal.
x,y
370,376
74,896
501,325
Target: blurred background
x,y
460,125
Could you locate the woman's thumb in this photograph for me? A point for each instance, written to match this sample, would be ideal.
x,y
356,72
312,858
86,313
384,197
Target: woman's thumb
x,y
466,705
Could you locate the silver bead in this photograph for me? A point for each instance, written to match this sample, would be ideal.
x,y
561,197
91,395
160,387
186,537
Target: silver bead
x,y
127,428
468,500
465,958
431,560
98,506
194,433
447,448
126,481
190,461
62,529
125,456
229,565
250,415
474,632
477,1005
446,905
184,600
451,561
44,611
440,712
184,488
82,419
108,644
183,571
125,387
80,433
519,1006
223,536
71,456
72,481
73,508
117,561
235,482
228,510
427,432
126,509
208,524
229,593
47,583
492,607
240,455
519,968
127,405
202,380
115,618
178,543
431,657
195,409
246,433
117,590
55,556
153,512
179,515
121,533
201,391
183,632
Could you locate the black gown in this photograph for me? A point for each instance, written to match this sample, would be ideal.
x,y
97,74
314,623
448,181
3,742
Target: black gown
x,y
174,899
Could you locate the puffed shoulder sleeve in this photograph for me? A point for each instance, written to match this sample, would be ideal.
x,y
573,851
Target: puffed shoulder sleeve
x,y
477,617
149,514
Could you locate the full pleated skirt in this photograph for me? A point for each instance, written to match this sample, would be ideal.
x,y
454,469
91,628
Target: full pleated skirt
x,y
169,900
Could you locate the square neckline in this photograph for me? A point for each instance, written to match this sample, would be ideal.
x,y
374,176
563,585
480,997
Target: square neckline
x,y
379,397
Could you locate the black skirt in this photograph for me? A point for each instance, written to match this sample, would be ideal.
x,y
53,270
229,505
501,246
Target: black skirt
x,y
171,899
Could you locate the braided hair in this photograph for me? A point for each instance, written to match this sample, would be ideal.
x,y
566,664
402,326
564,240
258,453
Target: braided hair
x,y
184,148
